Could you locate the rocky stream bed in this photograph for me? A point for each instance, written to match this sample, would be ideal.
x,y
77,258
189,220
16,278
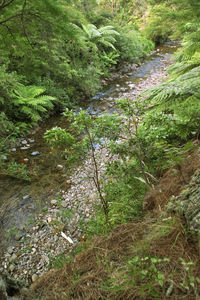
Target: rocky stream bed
x,y
34,235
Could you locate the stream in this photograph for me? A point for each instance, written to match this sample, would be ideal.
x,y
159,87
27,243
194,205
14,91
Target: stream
x,y
20,200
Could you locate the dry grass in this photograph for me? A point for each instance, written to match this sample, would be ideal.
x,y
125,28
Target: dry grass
x,y
172,183
101,270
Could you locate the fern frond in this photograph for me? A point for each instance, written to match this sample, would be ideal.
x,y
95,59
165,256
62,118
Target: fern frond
x,y
30,101
106,43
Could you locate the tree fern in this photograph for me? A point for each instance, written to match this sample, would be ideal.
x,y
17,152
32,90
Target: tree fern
x,y
30,102
179,97
104,35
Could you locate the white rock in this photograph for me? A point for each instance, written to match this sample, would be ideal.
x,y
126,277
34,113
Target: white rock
x,y
35,153
10,250
54,202
34,277
59,167
24,142
11,268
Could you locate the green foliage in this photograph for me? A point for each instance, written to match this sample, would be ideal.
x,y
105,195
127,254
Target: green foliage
x,y
30,102
58,262
144,274
168,19
15,170
104,35
145,270
132,45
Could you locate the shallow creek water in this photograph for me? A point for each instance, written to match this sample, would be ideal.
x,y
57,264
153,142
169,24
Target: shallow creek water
x,y
18,199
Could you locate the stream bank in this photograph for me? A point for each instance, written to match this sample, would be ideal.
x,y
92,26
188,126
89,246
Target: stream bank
x,y
34,214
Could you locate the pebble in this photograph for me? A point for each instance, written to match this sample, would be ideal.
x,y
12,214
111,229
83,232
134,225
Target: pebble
x,y
31,140
34,277
13,150
34,153
11,268
24,142
10,250
64,204
18,237
54,202
59,167
24,148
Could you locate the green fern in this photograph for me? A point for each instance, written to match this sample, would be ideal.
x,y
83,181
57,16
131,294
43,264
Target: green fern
x,y
104,35
30,102
179,97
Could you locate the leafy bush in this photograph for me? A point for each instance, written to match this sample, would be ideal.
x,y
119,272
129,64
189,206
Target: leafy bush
x,y
132,45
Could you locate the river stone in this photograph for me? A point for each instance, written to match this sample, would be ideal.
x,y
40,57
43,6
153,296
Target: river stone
x,y
10,250
34,277
34,153
54,202
18,237
24,142
64,204
103,108
11,268
59,167
24,148
31,140
13,150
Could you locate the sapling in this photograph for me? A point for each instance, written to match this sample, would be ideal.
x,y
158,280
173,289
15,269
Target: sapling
x,y
81,138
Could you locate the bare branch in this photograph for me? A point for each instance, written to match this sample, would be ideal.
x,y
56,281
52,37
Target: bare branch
x,y
4,4
10,18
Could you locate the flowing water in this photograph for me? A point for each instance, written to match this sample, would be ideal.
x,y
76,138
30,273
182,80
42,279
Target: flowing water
x,y
19,199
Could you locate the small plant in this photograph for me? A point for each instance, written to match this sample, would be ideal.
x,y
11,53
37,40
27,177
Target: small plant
x,y
82,137
189,281
146,270
15,170
143,275
12,232
58,262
